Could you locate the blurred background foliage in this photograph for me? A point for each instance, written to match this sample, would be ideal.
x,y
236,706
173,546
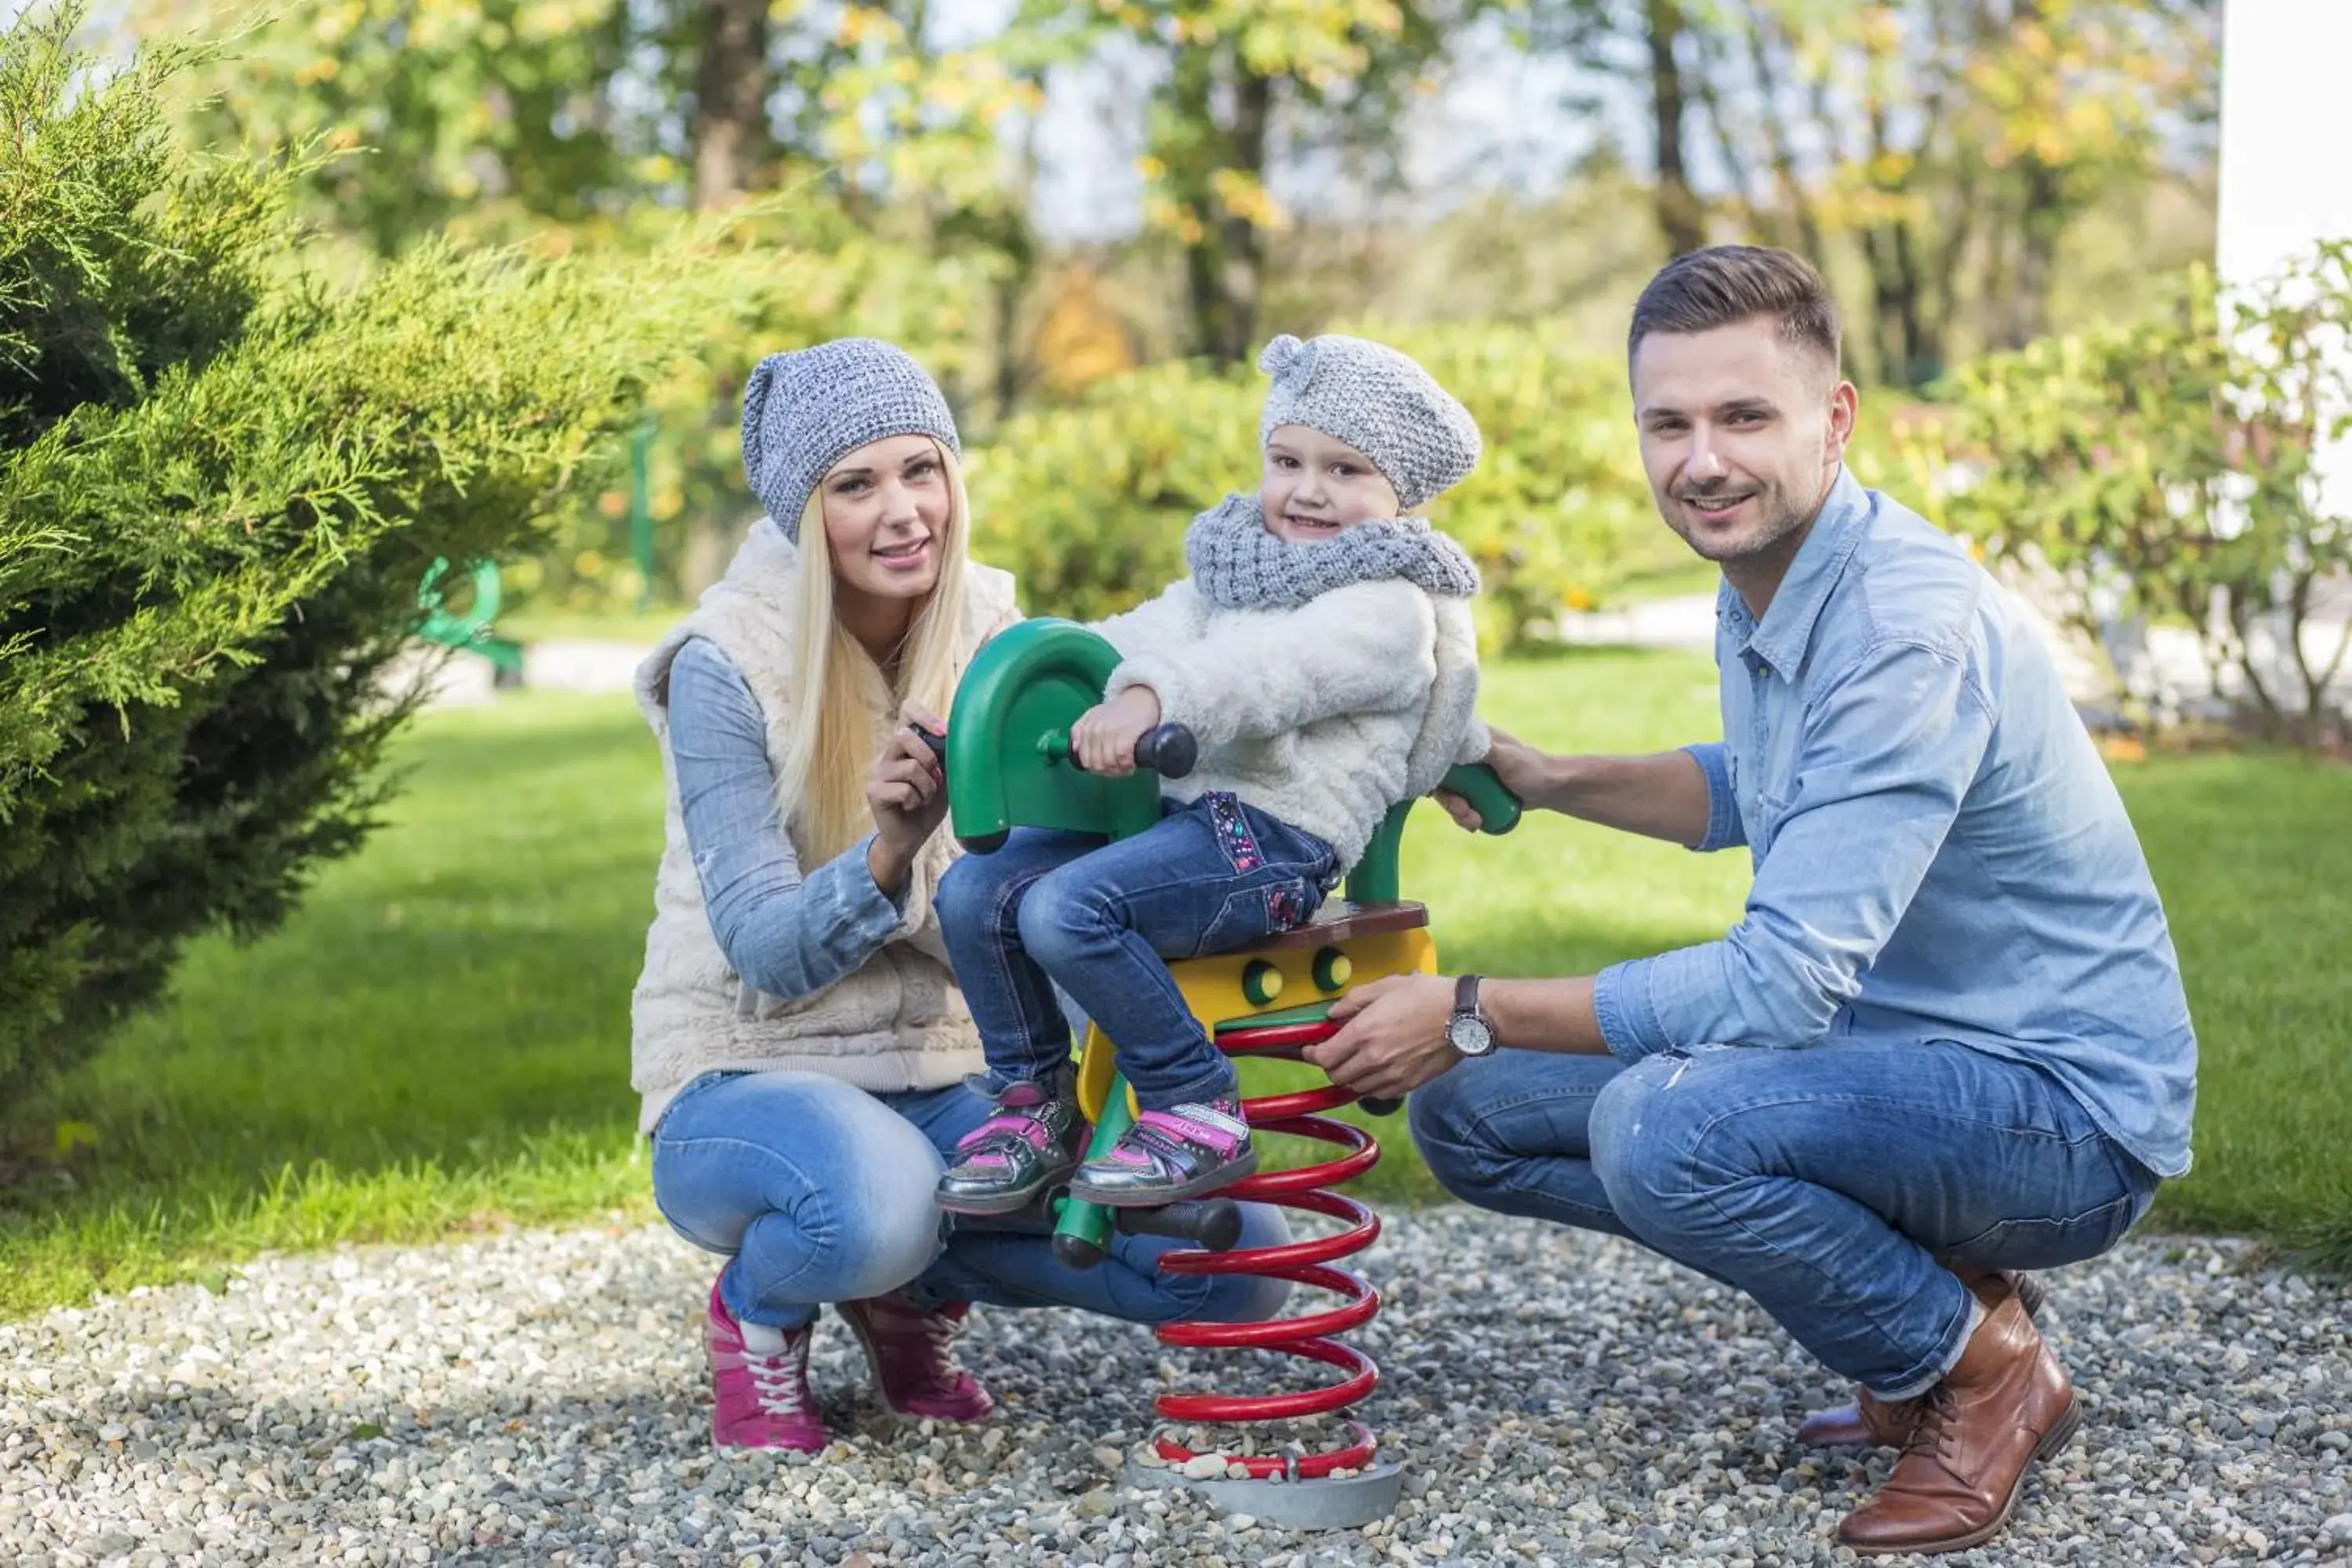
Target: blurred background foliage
x,y
1086,217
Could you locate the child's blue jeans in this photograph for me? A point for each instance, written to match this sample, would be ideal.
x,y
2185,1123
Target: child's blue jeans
x,y
1101,918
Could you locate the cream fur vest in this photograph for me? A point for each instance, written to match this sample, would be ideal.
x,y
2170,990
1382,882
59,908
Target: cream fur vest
x,y
895,1023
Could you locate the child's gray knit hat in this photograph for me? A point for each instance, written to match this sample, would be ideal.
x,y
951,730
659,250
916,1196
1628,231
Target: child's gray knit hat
x,y
1378,401
806,410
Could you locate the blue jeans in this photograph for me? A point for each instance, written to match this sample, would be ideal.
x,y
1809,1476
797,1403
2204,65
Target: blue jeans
x,y
1824,1183
816,1190
1102,918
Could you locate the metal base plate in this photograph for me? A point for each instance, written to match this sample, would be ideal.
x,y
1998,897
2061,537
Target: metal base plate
x,y
1343,1504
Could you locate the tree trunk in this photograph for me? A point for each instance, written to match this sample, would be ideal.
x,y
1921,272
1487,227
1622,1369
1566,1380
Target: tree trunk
x,y
2041,220
730,99
1894,300
1714,66
1225,266
1787,180
1011,356
1679,216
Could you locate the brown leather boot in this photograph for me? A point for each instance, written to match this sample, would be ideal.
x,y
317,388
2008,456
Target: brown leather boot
x,y
2005,1404
1877,1422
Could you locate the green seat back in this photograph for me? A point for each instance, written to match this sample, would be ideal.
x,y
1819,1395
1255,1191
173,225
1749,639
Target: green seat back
x,y
1024,691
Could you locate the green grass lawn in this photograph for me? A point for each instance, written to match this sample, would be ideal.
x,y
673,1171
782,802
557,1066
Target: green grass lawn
x,y
616,625
438,1041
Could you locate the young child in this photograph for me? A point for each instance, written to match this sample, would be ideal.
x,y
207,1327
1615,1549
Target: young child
x,y
1322,653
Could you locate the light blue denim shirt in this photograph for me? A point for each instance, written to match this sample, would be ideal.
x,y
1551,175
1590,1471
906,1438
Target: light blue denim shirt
x,y
789,935
1940,852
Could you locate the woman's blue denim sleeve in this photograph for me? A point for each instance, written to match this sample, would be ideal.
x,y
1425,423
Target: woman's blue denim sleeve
x,y
788,934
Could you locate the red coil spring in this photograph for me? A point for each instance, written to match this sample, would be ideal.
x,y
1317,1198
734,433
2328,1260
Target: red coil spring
x,y
1302,1262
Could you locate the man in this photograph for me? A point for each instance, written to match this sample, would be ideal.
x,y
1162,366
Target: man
x,y
1947,1041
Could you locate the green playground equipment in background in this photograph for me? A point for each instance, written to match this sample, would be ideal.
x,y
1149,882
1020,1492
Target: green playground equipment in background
x,y
475,631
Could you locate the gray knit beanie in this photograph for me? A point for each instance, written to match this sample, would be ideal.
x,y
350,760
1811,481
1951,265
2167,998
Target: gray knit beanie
x,y
806,410
1378,401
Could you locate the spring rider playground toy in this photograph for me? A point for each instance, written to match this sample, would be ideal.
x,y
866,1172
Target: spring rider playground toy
x,y
1009,763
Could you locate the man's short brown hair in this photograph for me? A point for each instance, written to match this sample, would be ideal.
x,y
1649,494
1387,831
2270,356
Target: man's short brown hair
x,y
1724,285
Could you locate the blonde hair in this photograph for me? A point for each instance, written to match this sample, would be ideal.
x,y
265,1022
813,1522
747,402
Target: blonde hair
x,y
831,744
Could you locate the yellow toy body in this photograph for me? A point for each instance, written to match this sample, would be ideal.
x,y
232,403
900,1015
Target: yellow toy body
x,y
1233,987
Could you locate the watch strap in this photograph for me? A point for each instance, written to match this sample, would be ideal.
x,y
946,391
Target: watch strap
x,y
1465,996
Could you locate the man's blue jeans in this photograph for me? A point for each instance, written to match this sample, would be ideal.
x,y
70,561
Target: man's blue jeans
x,y
816,1190
1102,918
1823,1182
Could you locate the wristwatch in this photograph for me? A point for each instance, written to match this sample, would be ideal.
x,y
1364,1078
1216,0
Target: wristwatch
x,y
1469,1031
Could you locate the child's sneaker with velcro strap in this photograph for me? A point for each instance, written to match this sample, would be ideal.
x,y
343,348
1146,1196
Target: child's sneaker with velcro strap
x,y
1030,1142
1182,1151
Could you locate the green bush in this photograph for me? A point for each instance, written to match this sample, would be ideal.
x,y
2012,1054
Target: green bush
x,y
220,483
1087,504
2163,468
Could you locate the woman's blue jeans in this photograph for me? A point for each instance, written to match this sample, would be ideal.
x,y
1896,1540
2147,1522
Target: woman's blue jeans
x,y
818,1192
1824,1183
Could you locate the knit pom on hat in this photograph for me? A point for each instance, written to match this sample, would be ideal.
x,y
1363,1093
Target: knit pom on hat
x,y
1378,401
1278,351
805,410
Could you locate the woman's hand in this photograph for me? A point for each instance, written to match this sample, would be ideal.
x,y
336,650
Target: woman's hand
x,y
1104,737
909,793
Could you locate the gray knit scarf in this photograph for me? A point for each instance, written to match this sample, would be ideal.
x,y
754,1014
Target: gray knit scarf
x,y
1238,565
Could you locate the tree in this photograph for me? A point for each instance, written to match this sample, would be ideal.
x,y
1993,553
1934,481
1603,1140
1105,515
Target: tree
x,y
222,478
1240,83
731,98
1644,42
1950,146
478,116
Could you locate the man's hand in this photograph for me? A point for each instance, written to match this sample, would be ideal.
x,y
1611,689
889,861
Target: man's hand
x,y
1660,795
1391,1038
1526,771
1104,737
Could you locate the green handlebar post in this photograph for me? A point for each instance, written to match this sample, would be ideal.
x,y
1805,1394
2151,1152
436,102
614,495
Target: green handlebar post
x,y
1375,879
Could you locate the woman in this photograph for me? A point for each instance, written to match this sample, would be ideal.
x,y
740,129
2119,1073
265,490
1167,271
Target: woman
x,y
799,1042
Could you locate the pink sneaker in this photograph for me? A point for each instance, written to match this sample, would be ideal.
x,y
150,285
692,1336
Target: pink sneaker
x,y
913,1356
758,1385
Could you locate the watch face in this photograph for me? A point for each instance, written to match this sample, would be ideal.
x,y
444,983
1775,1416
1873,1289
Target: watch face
x,y
1470,1035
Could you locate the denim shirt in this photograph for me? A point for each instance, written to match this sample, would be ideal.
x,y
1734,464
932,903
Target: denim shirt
x,y
789,935
1940,852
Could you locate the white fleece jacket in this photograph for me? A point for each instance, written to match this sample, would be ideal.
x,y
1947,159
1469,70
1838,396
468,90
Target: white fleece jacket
x,y
1325,716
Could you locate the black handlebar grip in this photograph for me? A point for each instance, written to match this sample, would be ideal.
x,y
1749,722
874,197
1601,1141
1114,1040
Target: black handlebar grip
x,y
1382,1105
937,743
1168,750
1213,1223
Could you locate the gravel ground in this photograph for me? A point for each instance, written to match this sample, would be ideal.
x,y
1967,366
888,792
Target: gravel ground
x,y
1554,1398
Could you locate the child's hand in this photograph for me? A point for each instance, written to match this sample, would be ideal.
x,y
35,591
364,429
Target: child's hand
x,y
1104,737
